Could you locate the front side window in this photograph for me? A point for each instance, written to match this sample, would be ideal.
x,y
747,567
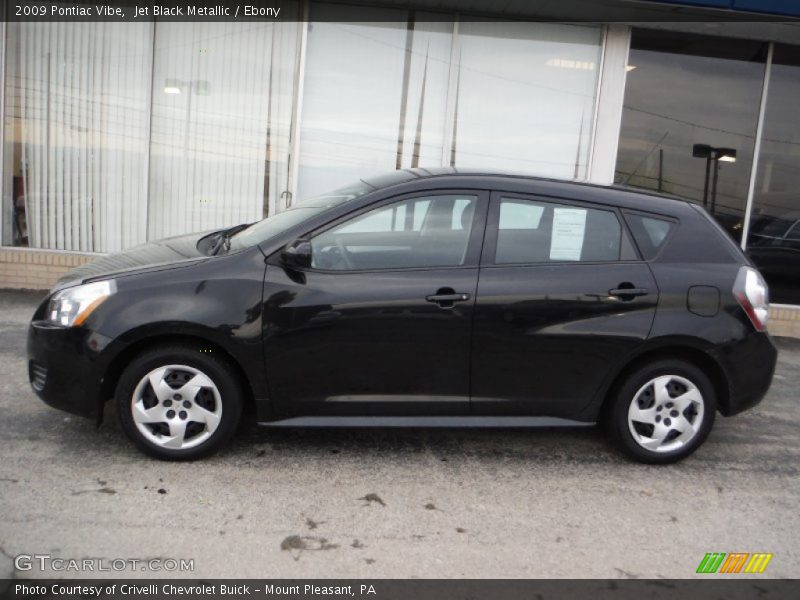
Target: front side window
x,y
538,232
431,231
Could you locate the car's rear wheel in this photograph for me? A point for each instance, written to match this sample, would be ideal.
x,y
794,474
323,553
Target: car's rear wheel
x,y
662,412
177,403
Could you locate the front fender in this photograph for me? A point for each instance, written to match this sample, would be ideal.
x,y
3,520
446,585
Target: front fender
x,y
217,302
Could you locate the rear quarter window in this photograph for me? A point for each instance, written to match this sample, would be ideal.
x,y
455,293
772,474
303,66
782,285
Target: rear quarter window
x,y
650,232
696,238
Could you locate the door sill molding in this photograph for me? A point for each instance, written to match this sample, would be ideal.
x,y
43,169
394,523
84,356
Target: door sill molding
x,y
470,421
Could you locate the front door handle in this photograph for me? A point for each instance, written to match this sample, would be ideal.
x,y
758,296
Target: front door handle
x,y
626,293
447,298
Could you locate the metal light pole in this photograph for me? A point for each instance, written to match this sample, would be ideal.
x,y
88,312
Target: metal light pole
x,y
712,155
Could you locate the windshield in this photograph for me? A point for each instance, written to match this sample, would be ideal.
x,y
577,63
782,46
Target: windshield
x,y
271,226
767,226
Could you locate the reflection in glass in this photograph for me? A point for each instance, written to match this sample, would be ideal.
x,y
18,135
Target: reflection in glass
x,y
399,91
547,232
689,119
525,97
222,109
774,239
278,222
374,95
417,232
117,133
75,172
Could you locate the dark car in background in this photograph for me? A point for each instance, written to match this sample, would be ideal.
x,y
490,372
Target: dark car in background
x,y
419,298
774,248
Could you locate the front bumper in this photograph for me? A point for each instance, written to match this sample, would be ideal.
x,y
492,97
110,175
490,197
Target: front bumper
x,y
65,367
749,365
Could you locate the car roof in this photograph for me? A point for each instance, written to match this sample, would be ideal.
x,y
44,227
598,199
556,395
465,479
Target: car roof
x,y
443,177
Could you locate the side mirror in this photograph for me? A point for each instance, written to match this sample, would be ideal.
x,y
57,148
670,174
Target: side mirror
x,y
297,254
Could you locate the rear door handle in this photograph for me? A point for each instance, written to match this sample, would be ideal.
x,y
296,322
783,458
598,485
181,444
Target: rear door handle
x,y
447,298
627,293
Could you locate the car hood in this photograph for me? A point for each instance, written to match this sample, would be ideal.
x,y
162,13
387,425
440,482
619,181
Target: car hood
x,y
168,252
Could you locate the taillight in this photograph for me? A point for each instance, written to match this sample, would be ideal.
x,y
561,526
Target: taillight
x,y
752,293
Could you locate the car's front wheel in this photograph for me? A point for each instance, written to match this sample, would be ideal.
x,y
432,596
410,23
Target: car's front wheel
x,y
178,403
662,412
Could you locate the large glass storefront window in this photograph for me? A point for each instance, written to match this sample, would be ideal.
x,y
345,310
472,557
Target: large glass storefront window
x,y
76,127
774,239
374,95
525,95
119,133
689,119
221,116
407,91
116,134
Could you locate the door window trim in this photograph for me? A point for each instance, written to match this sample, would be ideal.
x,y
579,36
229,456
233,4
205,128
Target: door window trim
x,y
474,245
492,228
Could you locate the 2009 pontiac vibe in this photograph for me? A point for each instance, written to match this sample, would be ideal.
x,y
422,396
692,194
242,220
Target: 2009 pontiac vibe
x,y
419,298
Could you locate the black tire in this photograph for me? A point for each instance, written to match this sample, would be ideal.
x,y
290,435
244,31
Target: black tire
x,y
216,368
621,398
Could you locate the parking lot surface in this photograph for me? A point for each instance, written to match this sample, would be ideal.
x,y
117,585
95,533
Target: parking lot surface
x,y
393,503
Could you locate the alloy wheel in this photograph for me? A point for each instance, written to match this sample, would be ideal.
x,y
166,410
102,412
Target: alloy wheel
x,y
666,413
176,407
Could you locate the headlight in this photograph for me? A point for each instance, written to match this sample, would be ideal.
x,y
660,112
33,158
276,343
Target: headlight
x,y
73,306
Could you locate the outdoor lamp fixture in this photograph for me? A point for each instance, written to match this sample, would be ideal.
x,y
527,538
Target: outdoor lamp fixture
x,y
199,87
714,155
173,86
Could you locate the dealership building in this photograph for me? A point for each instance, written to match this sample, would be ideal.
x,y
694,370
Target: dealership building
x,y
118,133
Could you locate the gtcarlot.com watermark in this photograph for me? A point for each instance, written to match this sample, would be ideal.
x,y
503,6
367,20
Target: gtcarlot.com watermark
x,y
49,563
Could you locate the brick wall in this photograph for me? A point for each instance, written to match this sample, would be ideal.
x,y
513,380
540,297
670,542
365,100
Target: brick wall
x,y
21,268
784,320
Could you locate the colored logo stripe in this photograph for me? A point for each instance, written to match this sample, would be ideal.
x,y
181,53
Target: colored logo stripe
x,y
758,562
714,562
734,562
711,562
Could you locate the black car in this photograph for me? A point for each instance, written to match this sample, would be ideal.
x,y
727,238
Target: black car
x,y
774,248
425,298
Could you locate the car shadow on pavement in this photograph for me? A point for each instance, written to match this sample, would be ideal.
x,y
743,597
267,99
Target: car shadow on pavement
x,y
557,444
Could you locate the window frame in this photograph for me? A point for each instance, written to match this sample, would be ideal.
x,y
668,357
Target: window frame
x,y
488,257
474,244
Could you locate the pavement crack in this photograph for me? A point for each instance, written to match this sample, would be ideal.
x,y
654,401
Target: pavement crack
x,y
5,553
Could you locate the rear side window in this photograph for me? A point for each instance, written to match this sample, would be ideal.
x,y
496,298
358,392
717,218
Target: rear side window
x,y
532,231
650,233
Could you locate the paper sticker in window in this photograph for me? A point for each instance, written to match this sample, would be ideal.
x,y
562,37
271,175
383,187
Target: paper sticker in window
x,y
569,226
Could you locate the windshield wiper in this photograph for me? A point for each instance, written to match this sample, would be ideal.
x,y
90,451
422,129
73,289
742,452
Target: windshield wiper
x,y
223,239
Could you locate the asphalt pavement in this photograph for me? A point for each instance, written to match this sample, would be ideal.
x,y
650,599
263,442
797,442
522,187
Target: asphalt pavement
x,y
391,503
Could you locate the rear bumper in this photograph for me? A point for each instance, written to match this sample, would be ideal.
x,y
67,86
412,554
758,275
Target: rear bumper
x,y
749,365
64,367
